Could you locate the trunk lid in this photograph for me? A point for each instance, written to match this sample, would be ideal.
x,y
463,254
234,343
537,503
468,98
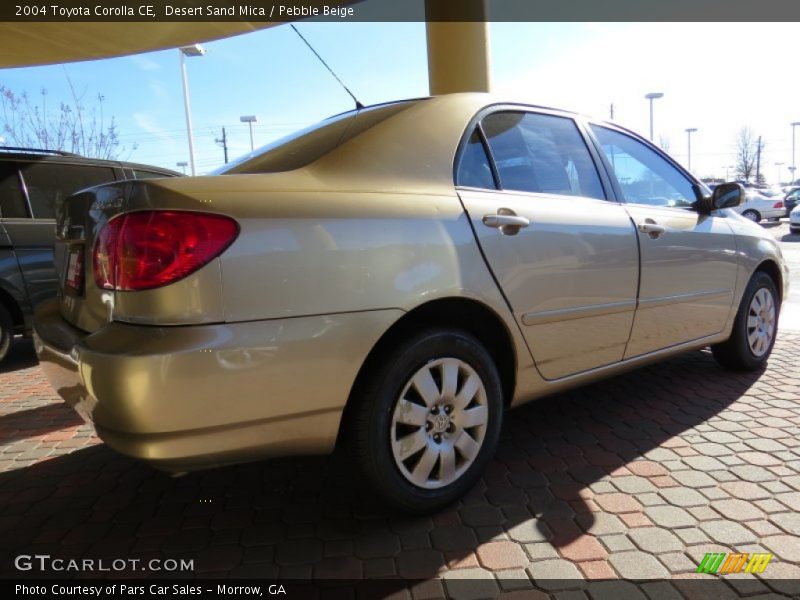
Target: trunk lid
x,y
78,219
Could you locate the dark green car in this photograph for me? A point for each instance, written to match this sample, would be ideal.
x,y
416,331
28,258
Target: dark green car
x,y
32,183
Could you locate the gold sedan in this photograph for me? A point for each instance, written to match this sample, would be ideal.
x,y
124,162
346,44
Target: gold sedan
x,y
394,278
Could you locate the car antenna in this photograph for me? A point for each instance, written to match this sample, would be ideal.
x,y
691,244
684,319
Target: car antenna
x,y
359,106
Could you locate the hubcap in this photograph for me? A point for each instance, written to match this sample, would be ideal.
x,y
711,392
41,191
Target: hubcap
x,y
751,216
761,322
439,423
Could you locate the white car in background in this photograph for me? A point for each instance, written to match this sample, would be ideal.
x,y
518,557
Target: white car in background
x,y
794,220
758,206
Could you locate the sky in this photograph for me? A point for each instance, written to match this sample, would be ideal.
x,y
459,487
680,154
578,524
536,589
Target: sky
x,y
715,77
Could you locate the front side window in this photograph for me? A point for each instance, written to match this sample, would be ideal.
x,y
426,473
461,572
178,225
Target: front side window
x,y
644,176
12,202
50,183
543,154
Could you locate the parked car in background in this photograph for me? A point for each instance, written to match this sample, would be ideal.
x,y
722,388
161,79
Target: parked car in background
x,y
394,278
758,207
32,184
794,220
791,200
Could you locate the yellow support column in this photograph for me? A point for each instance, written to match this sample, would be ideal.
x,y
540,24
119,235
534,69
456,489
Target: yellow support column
x,y
458,51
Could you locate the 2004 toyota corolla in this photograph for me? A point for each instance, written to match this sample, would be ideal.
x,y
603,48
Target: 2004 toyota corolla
x,y
395,277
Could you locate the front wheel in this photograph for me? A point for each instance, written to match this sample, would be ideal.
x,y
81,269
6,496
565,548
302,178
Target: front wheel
x,y
428,420
754,329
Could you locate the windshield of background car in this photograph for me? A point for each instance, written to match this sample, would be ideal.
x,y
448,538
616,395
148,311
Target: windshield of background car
x,y
312,143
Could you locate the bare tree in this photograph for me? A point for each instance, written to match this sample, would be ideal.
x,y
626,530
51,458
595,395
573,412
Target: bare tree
x,y
70,126
746,151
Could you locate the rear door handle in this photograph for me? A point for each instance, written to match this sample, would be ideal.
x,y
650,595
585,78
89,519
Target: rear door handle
x,y
651,228
506,220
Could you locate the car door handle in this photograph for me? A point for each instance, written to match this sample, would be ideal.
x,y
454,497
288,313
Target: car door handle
x,y
506,220
651,228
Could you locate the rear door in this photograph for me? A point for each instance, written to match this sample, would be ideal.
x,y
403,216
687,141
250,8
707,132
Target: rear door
x,y
13,209
46,184
689,260
565,257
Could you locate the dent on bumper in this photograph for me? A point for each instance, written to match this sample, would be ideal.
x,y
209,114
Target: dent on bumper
x,y
196,396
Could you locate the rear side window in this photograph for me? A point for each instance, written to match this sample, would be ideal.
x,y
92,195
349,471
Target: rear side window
x,y
12,202
473,168
49,183
137,174
540,153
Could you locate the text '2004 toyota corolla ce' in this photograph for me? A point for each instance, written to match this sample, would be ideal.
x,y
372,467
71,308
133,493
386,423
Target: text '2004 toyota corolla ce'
x,y
394,277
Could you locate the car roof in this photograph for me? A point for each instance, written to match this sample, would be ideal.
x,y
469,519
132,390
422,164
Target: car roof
x,y
10,153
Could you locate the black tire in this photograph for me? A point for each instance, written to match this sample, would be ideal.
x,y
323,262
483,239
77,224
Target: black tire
x,y
753,215
794,230
6,332
375,404
735,353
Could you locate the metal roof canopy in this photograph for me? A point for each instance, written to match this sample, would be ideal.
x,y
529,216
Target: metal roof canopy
x,y
458,52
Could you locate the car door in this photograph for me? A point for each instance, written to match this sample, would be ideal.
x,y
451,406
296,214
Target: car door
x,y
564,256
45,185
688,259
12,209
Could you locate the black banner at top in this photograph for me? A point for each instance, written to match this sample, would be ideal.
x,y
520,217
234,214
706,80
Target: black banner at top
x,y
264,11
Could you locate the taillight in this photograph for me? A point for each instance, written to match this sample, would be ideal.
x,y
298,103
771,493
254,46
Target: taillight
x,y
778,205
148,249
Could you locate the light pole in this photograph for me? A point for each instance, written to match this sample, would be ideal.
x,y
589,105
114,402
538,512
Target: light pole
x,y
182,164
689,133
249,119
652,96
779,165
726,171
194,50
794,164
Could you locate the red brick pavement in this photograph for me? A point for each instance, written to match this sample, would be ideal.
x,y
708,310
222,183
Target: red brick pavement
x,y
636,477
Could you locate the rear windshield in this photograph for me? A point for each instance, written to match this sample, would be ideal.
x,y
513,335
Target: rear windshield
x,y
303,147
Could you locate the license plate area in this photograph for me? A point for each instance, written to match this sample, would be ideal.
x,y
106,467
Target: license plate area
x,y
73,275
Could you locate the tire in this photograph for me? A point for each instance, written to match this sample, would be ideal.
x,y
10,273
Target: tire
x,y
737,353
394,456
6,332
794,229
752,215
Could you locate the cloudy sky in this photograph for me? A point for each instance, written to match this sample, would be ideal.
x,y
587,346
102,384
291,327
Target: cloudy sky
x,y
716,77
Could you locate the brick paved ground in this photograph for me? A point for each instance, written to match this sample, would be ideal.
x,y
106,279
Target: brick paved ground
x,y
636,477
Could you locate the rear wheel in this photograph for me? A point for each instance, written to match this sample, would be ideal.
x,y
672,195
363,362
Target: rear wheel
x,y
6,332
754,329
428,420
752,215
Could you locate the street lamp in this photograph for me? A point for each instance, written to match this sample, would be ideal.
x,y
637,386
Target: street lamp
x,y
652,96
779,165
794,164
182,164
190,51
726,171
249,119
689,133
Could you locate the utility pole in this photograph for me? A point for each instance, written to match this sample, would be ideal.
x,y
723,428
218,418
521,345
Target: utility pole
x,y
758,160
224,141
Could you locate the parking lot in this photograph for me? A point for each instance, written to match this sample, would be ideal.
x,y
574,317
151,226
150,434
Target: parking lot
x,y
637,477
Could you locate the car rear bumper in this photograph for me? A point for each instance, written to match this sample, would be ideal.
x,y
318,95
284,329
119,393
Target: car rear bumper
x,y
191,397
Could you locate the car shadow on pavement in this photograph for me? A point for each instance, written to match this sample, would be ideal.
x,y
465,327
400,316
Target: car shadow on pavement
x,y
37,422
313,517
20,356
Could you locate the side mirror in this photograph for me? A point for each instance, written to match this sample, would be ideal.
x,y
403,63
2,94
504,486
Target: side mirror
x,y
727,195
